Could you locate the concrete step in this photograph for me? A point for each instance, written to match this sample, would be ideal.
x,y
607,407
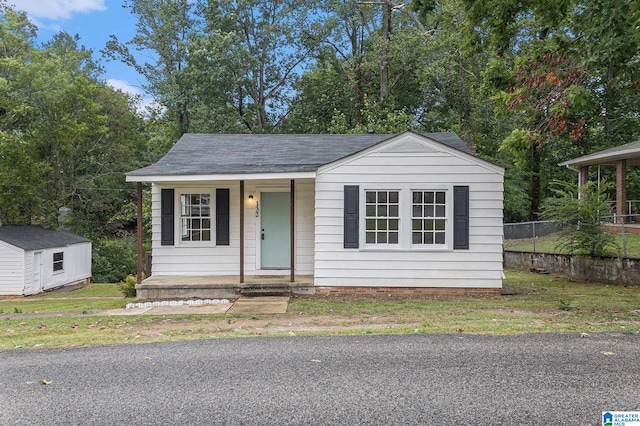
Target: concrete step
x,y
265,291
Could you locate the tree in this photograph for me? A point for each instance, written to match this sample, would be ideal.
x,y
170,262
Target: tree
x,y
163,33
580,211
246,63
66,138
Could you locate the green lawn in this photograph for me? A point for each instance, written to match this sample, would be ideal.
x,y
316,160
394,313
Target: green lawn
x,y
82,300
549,244
530,303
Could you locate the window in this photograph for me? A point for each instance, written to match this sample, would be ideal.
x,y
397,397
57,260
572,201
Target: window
x,y
195,217
382,217
58,261
428,217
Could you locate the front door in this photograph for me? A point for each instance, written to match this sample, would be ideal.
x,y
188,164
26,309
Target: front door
x,y
276,230
37,272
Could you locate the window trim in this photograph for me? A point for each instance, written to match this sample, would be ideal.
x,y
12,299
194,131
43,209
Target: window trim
x,y
179,192
448,229
387,217
58,262
405,238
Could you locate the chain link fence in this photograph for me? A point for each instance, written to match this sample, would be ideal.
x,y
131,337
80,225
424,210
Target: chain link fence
x,y
543,236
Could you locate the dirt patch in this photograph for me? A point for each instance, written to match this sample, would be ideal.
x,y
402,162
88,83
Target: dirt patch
x,y
291,324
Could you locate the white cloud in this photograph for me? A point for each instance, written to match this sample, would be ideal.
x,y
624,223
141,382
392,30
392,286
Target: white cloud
x,y
144,101
124,86
58,9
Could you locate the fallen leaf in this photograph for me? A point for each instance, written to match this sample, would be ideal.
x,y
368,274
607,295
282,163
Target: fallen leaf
x,y
45,382
586,335
147,357
608,353
291,333
315,360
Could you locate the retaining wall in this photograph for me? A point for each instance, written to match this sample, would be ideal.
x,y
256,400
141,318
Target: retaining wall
x,y
599,268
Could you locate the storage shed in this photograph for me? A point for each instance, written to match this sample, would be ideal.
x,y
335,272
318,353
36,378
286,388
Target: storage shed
x,y
33,259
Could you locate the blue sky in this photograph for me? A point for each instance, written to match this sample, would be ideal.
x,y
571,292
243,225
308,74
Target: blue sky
x,y
93,21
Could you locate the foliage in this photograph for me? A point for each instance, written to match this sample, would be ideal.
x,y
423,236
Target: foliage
x,y
113,259
580,210
66,137
128,286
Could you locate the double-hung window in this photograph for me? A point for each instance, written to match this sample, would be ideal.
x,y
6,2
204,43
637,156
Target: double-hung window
x,y
58,261
382,217
195,218
428,217
407,218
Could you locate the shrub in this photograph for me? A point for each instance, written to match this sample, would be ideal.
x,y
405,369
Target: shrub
x,y
128,286
113,259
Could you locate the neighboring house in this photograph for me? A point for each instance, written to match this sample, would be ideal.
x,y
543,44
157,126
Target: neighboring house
x,y
368,212
33,259
621,157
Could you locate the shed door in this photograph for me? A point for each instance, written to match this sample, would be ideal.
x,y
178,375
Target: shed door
x,y
37,272
276,230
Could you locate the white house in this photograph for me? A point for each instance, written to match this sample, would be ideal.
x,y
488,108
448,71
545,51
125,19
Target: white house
x,y
33,259
409,212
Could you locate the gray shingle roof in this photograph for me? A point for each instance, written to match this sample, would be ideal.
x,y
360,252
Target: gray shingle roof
x,y
203,154
630,152
29,237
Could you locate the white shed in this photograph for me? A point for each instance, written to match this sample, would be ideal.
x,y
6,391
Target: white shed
x,y
414,213
33,259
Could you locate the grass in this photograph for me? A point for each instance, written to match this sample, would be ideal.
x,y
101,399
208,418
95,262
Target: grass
x,y
85,299
531,303
549,244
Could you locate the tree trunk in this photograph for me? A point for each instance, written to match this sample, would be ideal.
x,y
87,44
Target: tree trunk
x,y
384,59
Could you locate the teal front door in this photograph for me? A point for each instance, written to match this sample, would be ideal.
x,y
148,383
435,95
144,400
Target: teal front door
x,y
276,230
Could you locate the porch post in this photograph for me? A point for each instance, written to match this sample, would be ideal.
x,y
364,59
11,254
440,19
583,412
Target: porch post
x,y
584,175
621,189
241,231
293,228
139,232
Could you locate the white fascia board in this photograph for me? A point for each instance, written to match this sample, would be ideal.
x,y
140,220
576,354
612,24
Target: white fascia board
x,y
235,177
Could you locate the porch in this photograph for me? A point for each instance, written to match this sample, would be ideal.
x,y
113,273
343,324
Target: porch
x,y
222,287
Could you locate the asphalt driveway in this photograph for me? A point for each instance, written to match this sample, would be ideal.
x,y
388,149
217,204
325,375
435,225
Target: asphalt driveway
x,y
405,379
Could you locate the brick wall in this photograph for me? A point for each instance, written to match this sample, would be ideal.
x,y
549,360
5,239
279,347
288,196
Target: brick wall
x,y
408,291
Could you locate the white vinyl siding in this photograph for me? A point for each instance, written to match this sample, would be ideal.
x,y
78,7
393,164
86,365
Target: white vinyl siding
x,y
17,268
434,168
211,260
11,269
77,265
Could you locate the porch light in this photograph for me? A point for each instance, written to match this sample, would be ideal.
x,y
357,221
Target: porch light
x,y
250,198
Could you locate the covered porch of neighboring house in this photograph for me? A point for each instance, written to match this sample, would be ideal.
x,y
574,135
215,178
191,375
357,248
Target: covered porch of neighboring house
x,y
621,157
245,277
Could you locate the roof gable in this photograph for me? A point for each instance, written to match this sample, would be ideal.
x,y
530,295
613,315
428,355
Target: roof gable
x,y
416,144
211,154
29,237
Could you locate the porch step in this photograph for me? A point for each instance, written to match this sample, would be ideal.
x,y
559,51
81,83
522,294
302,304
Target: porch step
x,y
265,291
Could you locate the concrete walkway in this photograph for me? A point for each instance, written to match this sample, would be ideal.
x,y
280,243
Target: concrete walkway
x,y
242,305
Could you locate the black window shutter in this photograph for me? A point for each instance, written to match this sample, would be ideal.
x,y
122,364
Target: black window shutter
x,y
351,219
166,217
460,217
222,217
